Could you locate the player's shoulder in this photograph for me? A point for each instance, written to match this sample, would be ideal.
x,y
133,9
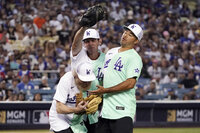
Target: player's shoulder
x,y
113,51
67,76
135,55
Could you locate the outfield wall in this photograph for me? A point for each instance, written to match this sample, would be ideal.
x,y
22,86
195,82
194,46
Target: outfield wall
x,y
34,115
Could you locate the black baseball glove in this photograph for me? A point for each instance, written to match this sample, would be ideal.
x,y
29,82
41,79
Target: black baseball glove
x,y
92,16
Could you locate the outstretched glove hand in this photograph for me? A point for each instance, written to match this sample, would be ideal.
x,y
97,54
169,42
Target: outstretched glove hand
x,y
92,16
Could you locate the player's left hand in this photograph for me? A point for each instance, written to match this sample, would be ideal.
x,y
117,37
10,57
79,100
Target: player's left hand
x,y
101,90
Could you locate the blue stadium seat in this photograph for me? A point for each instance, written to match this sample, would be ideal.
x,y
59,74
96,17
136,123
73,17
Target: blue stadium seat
x,y
183,91
36,82
52,83
47,97
49,92
154,97
144,81
169,86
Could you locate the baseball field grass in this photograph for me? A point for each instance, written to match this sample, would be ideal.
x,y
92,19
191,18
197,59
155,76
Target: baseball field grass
x,y
136,130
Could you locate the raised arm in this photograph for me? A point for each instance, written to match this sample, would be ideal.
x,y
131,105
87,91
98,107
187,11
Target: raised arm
x,y
93,15
77,42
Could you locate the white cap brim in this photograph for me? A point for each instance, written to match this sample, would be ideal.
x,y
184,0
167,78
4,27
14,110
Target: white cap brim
x,y
87,78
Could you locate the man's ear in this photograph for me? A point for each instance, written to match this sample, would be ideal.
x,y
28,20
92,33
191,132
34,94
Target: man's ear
x,y
137,41
100,42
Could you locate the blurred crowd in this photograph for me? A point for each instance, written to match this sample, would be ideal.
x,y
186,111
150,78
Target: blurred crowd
x,y
36,36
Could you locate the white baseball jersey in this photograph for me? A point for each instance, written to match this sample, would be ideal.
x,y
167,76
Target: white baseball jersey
x,y
97,65
65,93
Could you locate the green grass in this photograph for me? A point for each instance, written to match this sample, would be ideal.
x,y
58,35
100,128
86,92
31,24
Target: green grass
x,y
25,131
166,130
136,130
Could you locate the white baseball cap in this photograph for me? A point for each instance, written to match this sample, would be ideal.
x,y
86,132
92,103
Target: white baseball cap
x,y
91,33
85,72
136,29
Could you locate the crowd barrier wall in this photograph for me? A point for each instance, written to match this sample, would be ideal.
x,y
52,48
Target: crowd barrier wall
x,y
34,115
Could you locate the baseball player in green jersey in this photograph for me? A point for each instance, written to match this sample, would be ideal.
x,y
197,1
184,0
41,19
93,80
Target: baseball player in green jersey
x,y
85,49
122,68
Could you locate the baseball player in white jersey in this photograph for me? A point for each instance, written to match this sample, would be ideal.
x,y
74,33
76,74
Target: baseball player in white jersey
x,y
122,69
65,116
85,48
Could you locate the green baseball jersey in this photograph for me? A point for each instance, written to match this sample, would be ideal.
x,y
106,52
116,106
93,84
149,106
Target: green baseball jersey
x,y
97,66
119,67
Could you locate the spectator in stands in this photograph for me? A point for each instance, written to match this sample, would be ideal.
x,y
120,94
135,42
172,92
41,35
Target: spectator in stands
x,y
64,33
44,85
9,95
29,39
185,10
21,96
141,91
189,82
3,38
15,96
24,70
196,11
171,95
1,96
3,90
39,21
164,64
9,76
14,86
193,94
11,33
175,67
12,61
155,70
25,84
169,78
36,73
19,32
42,63
152,88
138,96
2,67
37,97
186,97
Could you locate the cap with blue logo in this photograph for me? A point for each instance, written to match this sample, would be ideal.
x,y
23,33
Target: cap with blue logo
x,y
136,29
91,33
85,72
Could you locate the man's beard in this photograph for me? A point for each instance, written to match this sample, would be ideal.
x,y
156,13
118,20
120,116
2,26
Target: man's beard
x,y
83,88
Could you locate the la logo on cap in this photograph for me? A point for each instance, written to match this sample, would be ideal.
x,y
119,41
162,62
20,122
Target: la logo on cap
x,y
133,26
88,33
87,72
91,33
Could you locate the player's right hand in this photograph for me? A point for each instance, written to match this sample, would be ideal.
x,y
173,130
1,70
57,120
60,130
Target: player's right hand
x,y
81,107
